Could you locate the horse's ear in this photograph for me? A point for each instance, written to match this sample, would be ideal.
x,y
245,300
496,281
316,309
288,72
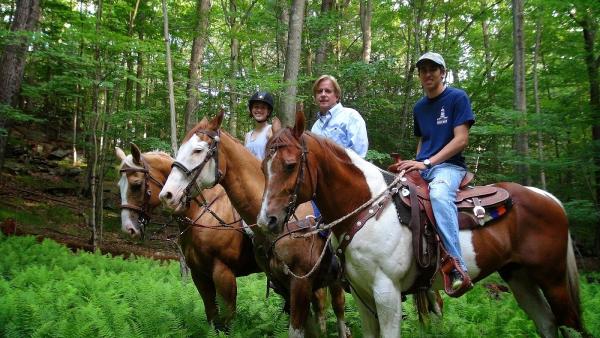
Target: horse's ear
x,y
299,125
217,120
275,125
120,153
136,153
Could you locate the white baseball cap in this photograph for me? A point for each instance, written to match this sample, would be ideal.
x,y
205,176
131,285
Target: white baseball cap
x,y
435,57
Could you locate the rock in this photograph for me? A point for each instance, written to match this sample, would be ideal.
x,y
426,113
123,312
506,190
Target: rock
x,y
59,154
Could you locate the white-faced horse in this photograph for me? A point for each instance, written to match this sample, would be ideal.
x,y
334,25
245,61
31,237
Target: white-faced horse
x,y
299,267
215,251
530,246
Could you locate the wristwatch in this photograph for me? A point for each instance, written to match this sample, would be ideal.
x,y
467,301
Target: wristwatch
x,y
427,163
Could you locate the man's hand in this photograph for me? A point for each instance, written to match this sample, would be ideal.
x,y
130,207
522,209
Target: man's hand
x,y
410,165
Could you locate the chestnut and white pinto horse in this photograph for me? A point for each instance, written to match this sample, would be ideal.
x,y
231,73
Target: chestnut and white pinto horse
x,y
530,246
216,252
209,155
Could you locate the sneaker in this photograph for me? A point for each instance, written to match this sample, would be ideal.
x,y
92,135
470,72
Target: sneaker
x,y
457,280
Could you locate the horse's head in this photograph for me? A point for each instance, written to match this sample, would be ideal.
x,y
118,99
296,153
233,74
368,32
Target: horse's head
x,y
289,177
139,186
196,166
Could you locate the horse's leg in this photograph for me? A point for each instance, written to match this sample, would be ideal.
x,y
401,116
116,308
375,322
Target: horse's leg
x,y
207,291
563,293
531,300
224,280
338,301
368,318
389,305
300,294
436,303
319,302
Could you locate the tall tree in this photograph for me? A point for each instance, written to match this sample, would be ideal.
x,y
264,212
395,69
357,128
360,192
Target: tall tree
x,y
12,64
536,95
235,24
519,102
292,62
587,19
321,55
366,16
170,80
195,70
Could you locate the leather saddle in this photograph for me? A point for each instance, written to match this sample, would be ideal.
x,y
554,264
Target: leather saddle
x,y
472,202
477,206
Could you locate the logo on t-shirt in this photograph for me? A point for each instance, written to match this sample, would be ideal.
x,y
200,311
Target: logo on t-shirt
x,y
443,119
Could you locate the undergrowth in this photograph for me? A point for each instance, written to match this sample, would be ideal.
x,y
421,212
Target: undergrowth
x,y
47,291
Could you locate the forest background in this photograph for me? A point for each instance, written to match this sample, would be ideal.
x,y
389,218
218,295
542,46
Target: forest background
x,y
101,74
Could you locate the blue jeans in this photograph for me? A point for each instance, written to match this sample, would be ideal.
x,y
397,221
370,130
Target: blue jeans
x,y
444,180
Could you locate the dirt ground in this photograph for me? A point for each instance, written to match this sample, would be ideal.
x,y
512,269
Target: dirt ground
x,y
75,232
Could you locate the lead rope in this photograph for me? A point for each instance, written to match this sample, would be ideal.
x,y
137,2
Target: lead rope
x,y
360,208
287,270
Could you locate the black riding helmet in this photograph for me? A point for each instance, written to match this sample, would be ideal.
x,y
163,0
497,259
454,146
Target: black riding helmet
x,y
261,96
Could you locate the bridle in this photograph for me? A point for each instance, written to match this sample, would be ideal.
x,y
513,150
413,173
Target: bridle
x,y
290,208
144,210
213,153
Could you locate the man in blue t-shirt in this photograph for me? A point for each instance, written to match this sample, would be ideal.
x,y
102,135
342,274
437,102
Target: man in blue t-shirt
x,y
442,119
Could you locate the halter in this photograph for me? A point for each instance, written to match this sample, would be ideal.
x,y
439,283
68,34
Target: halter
x,y
144,210
195,172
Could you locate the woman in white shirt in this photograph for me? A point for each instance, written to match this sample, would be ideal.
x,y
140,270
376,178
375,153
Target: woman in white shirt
x,y
261,108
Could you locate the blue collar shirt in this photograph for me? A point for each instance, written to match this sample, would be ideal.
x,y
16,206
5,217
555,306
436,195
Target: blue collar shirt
x,y
344,126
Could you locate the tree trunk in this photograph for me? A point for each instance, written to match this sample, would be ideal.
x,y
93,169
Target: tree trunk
x,y
487,75
139,75
536,95
366,14
195,70
170,80
321,54
95,120
592,62
519,83
12,64
292,64
283,19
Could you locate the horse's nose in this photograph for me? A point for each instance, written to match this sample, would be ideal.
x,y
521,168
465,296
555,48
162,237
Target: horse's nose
x,y
165,196
272,225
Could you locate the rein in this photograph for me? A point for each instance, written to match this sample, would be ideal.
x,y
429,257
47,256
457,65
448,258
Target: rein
x,y
144,210
195,172
206,206
390,189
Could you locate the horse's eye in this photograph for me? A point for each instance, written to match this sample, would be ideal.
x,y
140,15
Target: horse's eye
x,y
198,151
289,167
136,186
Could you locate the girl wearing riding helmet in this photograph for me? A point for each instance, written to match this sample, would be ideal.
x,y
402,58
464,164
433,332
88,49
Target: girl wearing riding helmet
x,y
261,108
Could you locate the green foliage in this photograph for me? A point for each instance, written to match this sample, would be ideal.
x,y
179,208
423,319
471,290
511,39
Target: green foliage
x,y
46,290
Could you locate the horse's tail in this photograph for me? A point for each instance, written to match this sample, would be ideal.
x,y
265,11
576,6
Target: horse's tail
x,y
573,279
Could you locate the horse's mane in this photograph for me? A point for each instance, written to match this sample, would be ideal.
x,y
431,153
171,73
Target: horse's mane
x,y
203,125
286,136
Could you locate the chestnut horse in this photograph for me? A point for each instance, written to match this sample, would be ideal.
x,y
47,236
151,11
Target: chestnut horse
x,y
294,265
216,254
530,246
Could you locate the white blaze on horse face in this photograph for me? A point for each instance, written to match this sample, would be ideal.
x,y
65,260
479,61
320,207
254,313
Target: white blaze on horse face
x,y
190,154
127,222
263,220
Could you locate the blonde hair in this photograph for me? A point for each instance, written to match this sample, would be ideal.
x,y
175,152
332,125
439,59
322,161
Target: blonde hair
x,y
336,86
